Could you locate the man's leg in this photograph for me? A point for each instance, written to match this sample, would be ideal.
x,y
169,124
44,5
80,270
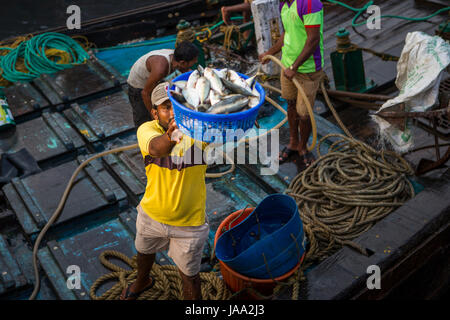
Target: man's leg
x,y
310,83
191,287
305,131
140,112
186,250
293,121
150,238
144,266
247,14
227,11
289,92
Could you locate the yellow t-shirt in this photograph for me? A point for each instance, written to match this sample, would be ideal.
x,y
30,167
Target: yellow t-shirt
x,y
176,192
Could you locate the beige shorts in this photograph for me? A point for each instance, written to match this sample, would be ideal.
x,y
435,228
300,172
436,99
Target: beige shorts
x,y
310,83
185,244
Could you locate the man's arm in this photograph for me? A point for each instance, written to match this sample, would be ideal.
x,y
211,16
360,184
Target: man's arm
x,y
158,68
162,146
274,49
312,42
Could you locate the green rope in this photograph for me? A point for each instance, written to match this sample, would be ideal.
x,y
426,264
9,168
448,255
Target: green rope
x,y
221,22
360,11
33,53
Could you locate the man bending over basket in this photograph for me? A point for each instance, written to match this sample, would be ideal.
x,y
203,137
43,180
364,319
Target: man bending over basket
x,y
171,214
152,68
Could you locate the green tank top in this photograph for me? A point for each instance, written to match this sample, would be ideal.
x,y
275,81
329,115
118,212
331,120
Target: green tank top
x,y
296,17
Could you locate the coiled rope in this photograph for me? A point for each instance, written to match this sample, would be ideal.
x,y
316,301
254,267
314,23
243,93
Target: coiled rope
x,y
168,284
345,192
49,52
326,226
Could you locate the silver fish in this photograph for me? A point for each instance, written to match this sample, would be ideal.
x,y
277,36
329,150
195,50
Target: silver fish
x,y
228,105
237,80
187,105
191,96
178,96
236,88
192,79
215,81
221,73
203,107
214,97
253,101
181,84
232,75
200,70
202,87
251,81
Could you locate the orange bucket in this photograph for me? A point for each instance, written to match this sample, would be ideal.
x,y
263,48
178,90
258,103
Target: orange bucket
x,y
236,281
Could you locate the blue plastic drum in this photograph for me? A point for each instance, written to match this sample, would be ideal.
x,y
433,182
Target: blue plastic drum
x,y
268,243
207,127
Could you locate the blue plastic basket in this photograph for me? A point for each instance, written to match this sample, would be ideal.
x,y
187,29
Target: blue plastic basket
x,y
213,127
281,239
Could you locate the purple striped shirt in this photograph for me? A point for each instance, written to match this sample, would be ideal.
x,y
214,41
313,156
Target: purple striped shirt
x,y
304,6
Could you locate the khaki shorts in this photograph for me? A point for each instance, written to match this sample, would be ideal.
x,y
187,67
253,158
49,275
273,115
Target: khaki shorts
x,y
185,244
310,83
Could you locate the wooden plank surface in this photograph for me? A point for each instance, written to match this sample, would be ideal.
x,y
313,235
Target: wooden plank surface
x,y
44,139
24,99
103,117
39,195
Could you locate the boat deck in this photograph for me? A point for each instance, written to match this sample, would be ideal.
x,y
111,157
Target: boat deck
x,y
64,118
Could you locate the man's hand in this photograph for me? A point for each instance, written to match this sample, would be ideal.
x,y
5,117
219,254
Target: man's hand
x,y
173,132
261,57
172,126
272,51
288,73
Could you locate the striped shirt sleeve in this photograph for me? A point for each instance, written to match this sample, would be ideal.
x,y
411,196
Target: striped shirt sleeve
x,y
313,20
310,11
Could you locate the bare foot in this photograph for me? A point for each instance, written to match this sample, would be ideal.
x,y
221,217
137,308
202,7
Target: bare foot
x,y
132,292
306,157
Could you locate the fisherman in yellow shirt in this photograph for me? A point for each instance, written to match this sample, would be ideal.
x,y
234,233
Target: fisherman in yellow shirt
x,y
171,214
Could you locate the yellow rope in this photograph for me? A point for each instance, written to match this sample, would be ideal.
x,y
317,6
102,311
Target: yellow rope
x,y
84,42
168,284
58,56
187,34
228,33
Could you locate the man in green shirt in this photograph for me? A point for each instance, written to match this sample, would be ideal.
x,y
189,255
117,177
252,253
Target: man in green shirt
x,y
301,45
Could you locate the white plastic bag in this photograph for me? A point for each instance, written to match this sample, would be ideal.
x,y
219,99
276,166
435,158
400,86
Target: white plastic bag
x,y
419,72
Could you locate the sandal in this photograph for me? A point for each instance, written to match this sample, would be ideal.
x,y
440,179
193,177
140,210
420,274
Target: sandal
x,y
307,159
135,295
285,154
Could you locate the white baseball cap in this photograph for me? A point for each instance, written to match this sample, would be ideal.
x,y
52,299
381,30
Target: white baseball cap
x,y
159,94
